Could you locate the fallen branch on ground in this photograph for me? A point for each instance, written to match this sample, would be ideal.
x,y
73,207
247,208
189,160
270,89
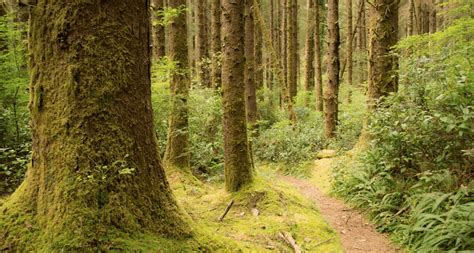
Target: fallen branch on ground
x,y
226,210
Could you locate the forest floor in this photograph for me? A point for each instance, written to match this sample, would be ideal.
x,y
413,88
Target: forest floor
x,y
357,234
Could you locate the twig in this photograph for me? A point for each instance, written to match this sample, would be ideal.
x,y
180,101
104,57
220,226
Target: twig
x,y
226,210
323,242
290,240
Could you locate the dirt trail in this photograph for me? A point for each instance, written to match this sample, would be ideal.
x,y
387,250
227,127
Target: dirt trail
x,y
356,232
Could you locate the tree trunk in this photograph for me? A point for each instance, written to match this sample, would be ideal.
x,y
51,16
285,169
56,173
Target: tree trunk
x,y
216,43
382,64
177,154
318,74
411,17
91,120
283,48
433,17
202,48
349,48
249,74
309,48
258,55
158,30
237,164
332,88
292,53
362,43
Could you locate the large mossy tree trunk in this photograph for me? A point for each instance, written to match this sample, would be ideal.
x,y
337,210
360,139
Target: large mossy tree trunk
x,y
309,50
237,166
317,53
216,43
331,93
383,35
95,173
202,43
177,153
250,88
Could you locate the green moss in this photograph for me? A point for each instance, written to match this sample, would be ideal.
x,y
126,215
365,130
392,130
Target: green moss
x,y
280,206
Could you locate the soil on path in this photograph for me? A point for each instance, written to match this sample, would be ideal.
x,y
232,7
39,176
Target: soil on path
x,y
356,232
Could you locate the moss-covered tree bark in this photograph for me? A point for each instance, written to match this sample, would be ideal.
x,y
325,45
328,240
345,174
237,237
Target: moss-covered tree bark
x,y
292,47
309,50
317,48
331,93
95,174
177,154
258,44
383,35
349,48
237,164
216,43
250,88
158,29
202,44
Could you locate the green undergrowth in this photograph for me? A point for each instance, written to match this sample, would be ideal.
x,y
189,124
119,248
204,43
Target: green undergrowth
x,y
280,209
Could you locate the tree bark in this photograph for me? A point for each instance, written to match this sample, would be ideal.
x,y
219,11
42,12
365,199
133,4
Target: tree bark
x,y
318,70
362,43
258,54
177,154
237,164
292,51
249,74
309,48
202,45
383,36
91,120
216,43
411,18
349,48
283,48
158,30
433,20
332,88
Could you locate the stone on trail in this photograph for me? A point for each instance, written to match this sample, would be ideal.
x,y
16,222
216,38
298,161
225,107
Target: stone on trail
x,y
326,153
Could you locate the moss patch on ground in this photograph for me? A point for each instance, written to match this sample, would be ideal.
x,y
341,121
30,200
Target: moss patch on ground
x,y
280,209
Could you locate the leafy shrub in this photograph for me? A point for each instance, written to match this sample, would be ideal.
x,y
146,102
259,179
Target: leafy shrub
x,y
416,178
291,144
13,164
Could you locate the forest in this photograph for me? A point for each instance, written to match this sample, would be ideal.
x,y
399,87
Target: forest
x,y
237,126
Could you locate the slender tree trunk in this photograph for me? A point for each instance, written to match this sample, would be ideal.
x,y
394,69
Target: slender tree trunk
x,y
433,20
411,17
382,64
177,154
349,48
283,49
202,48
362,43
216,43
318,70
91,120
158,30
332,88
250,88
258,54
273,35
292,51
237,164
309,48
